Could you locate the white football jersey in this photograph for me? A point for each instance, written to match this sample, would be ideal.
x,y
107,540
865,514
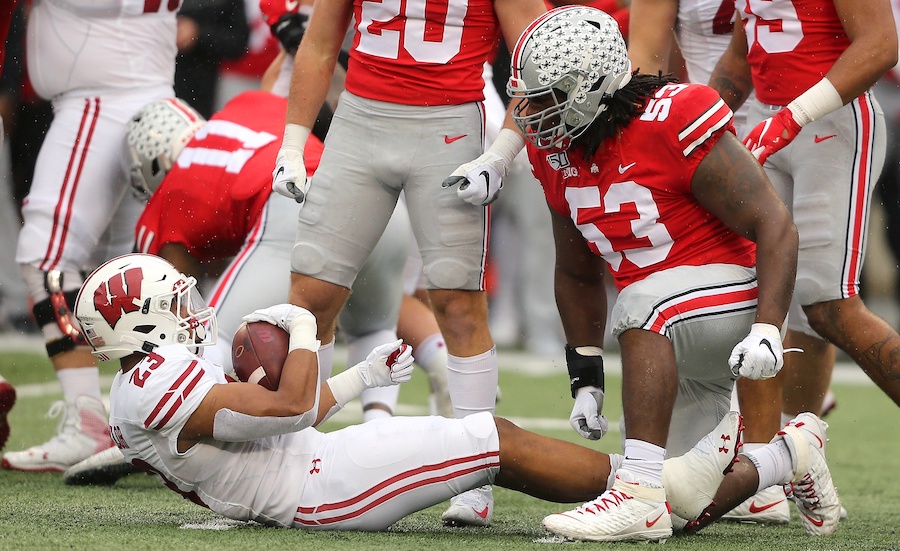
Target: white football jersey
x,y
93,46
260,480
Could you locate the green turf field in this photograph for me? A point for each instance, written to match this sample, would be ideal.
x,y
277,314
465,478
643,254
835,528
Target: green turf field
x,y
37,511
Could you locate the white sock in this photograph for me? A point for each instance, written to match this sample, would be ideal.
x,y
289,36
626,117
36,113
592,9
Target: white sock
x,y
78,381
432,353
615,463
386,396
773,463
644,460
325,355
472,382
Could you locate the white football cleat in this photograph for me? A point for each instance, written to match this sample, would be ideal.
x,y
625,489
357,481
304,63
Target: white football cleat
x,y
768,506
811,488
101,469
83,430
472,508
691,480
632,510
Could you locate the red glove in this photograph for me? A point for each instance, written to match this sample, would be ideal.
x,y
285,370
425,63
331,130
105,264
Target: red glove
x,y
772,134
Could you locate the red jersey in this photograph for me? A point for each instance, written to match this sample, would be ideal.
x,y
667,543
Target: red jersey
x,y
422,53
214,194
791,45
632,201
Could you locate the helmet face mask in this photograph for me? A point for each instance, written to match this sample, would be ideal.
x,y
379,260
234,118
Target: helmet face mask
x,y
136,302
566,65
156,135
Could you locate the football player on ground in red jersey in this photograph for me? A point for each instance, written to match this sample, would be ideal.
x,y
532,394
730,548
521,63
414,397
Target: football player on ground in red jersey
x,y
645,177
410,117
99,63
820,136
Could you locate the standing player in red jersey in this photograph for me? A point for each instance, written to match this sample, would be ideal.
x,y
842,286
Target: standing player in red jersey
x,y
820,136
410,116
646,177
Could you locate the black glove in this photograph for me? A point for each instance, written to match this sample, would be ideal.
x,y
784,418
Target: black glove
x,y
289,29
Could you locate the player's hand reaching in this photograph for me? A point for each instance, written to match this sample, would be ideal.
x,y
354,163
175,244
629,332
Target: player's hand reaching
x,y
481,180
289,177
760,355
386,365
587,418
772,134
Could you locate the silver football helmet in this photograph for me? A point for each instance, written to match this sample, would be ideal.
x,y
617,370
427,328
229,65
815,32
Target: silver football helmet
x,y
136,302
570,59
156,135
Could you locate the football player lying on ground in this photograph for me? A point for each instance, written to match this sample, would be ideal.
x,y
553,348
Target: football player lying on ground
x,y
249,453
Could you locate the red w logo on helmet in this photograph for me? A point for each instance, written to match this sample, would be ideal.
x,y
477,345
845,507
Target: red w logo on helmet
x,y
119,295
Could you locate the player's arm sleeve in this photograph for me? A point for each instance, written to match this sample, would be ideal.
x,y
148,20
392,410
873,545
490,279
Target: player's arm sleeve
x,y
234,426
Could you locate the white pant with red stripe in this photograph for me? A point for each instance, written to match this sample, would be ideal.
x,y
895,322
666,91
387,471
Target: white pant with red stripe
x,y
705,311
369,476
79,210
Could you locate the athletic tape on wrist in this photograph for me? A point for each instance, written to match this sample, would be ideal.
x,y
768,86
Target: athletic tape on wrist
x,y
507,145
816,102
346,385
584,370
295,136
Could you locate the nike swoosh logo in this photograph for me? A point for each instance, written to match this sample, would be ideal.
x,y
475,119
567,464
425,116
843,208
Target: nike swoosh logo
x,y
448,139
650,523
622,169
279,172
482,513
754,508
818,522
769,346
823,138
487,178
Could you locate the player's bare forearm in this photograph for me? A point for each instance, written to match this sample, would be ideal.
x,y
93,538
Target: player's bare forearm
x,y
873,49
733,186
579,287
731,76
650,34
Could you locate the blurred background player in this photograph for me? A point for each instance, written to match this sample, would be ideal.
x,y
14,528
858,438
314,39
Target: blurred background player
x,y
99,64
410,116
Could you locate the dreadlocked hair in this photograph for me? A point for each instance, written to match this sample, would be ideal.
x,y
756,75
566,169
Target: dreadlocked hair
x,y
621,109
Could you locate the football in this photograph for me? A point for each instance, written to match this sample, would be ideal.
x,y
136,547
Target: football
x,y
258,351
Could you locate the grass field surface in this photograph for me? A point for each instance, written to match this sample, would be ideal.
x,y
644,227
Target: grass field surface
x,y
37,511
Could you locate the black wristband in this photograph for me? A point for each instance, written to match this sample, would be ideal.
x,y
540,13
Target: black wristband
x,y
584,370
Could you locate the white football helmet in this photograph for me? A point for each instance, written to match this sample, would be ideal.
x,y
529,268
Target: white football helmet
x,y
573,58
136,302
156,135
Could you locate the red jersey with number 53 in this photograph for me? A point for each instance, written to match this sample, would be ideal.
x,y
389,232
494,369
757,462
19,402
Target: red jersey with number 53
x,y
214,194
421,52
632,200
791,45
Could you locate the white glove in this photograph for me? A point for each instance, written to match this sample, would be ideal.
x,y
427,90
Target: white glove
x,y
760,355
386,365
586,417
481,180
299,322
289,177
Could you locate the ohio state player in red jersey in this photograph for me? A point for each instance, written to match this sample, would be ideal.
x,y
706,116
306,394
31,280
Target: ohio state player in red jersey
x,y
820,135
410,116
645,177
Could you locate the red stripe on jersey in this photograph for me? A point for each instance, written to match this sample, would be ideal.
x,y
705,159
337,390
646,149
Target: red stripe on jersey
x,y
703,301
493,460
695,134
859,196
167,397
62,216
